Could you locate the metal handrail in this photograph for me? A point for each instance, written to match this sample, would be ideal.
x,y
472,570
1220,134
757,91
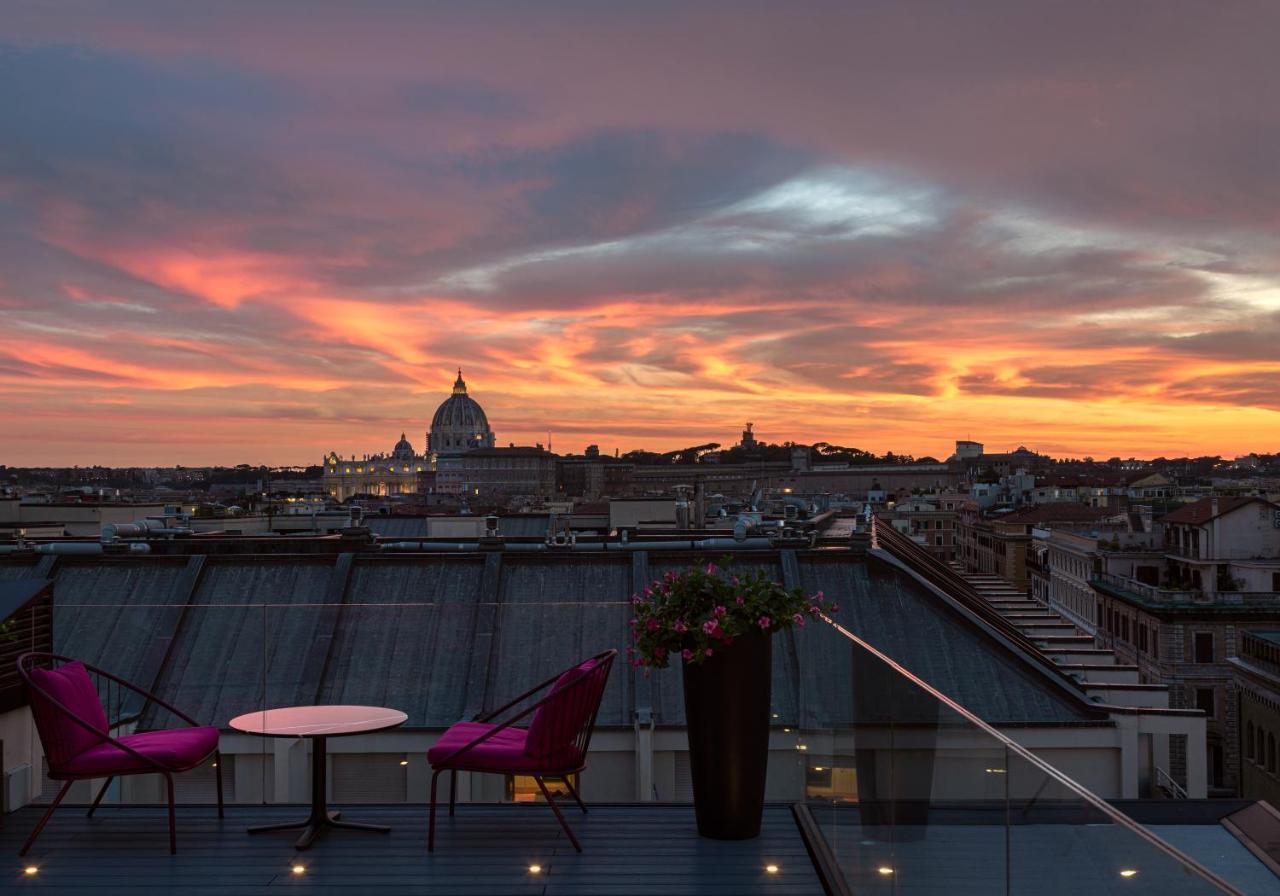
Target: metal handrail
x,y
1165,780
1026,755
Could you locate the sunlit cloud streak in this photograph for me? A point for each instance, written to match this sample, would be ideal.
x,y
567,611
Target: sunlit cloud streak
x,y
257,234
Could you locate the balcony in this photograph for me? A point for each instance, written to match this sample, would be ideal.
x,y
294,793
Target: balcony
x,y
1154,595
1151,594
879,782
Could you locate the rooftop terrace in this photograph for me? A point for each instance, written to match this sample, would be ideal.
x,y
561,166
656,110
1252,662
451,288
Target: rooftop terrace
x,y
880,782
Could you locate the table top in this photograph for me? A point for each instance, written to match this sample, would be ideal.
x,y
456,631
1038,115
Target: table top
x,y
318,721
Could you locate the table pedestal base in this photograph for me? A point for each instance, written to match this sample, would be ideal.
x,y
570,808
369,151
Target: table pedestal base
x,y
320,817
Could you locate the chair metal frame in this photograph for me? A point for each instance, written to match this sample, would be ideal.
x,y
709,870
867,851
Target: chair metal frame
x,y
538,771
26,662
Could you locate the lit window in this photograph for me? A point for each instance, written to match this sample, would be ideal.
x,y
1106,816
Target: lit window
x,y
523,789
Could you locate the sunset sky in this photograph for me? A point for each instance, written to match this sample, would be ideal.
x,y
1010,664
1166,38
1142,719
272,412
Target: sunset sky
x,y
258,232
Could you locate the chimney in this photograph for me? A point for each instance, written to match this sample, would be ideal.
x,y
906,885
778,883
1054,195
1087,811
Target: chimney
x,y
1213,507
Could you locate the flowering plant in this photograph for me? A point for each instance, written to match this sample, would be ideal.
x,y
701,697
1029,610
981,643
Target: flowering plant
x,y
694,613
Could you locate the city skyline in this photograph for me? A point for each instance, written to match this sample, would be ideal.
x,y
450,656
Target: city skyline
x,y
262,234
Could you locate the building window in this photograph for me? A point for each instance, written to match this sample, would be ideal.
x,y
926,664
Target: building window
x,y
831,784
1248,740
1216,765
1271,753
1204,701
1203,647
523,789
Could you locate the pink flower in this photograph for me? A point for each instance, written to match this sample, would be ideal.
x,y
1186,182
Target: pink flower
x,y
834,608
815,610
798,619
635,600
659,652
764,622
648,591
741,600
687,654
635,623
712,569
707,652
652,625
680,626
710,626
720,611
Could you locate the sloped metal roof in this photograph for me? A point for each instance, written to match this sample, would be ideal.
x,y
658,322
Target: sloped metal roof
x,y
405,638
248,637
121,617
443,637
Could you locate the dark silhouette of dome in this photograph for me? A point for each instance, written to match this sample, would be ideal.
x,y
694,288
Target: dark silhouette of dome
x,y
459,423
403,450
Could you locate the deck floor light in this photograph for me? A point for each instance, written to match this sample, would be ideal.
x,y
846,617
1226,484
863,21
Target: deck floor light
x,y
299,869
535,869
31,870
771,869
1129,872
884,870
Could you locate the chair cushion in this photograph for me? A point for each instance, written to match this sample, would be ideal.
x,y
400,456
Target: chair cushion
x,y
557,723
177,750
505,750
71,686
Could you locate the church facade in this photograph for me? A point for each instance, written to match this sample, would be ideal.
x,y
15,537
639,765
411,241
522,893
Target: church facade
x,y
458,426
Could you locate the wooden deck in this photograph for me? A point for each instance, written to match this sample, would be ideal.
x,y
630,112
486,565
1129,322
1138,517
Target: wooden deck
x,y
486,849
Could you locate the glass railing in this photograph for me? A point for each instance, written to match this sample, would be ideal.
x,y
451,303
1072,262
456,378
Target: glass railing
x,y
915,794
905,790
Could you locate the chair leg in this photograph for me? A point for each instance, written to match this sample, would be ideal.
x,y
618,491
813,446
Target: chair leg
x,y
559,815
173,821
453,790
47,815
98,798
217,764
568,782
431,825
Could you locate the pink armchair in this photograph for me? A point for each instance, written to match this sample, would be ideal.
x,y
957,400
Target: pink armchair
x,y
75,732
554,745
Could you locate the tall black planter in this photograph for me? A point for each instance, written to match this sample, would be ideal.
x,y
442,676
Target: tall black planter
x,y
726,707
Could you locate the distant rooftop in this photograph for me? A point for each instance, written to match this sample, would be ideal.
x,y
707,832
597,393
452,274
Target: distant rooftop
x,y
1057,513
1206,509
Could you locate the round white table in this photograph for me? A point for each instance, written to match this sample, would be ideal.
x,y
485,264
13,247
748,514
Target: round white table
x,y
318,723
